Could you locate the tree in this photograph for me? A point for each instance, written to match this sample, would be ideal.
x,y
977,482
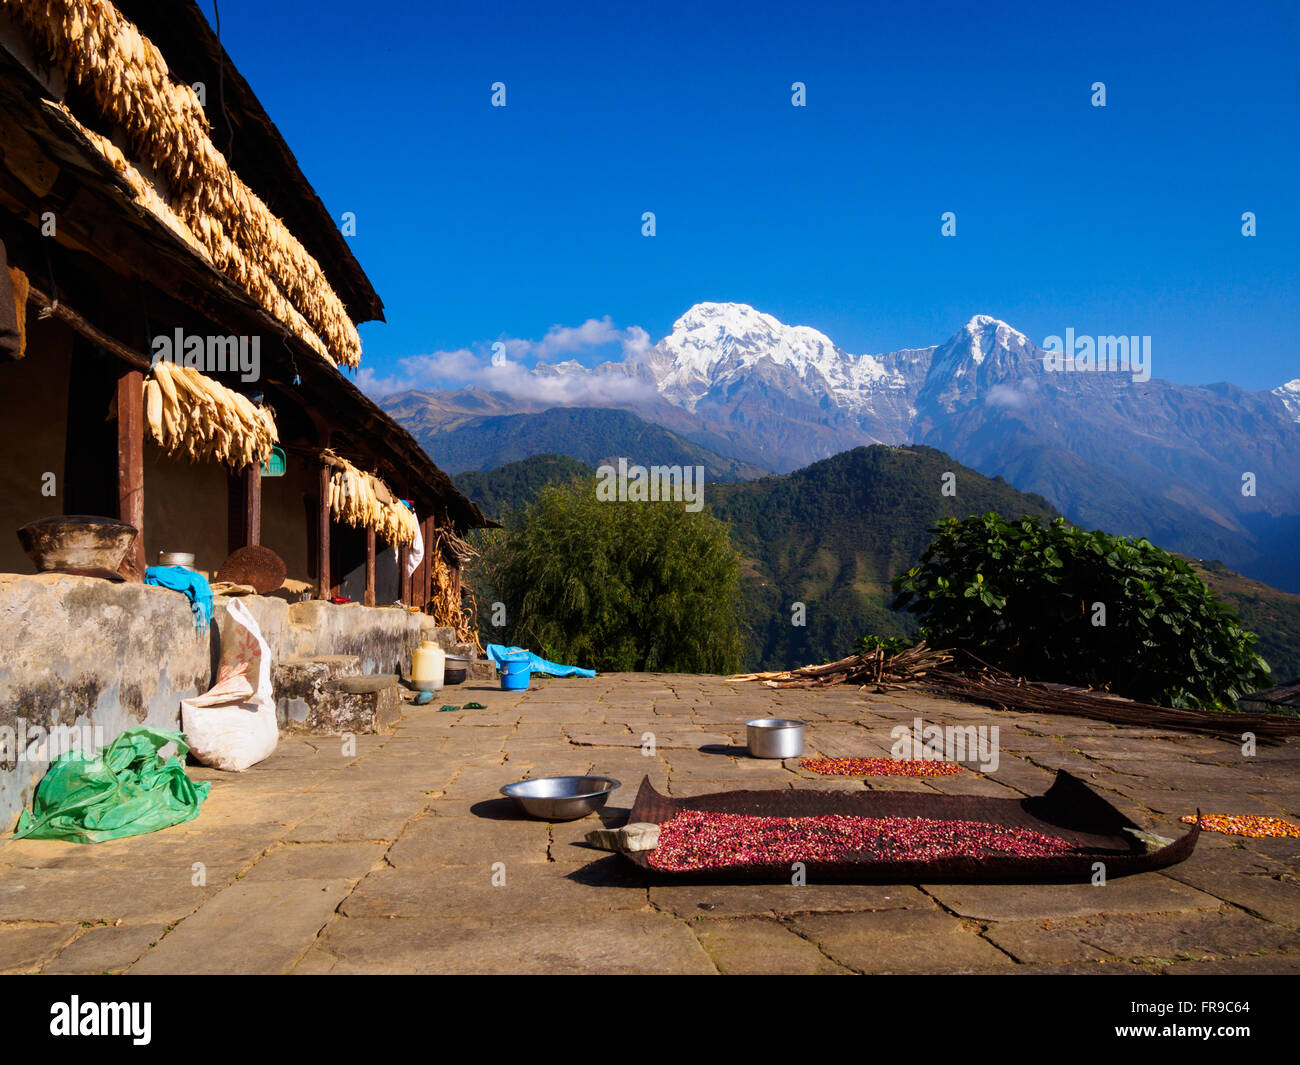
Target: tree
x,y
615,585
1054,602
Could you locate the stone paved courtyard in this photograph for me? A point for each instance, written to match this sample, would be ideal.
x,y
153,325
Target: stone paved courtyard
x,y
382,860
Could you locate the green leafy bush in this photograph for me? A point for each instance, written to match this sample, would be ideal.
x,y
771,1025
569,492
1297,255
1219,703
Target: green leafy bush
x,y
892,645
1055,603
614,586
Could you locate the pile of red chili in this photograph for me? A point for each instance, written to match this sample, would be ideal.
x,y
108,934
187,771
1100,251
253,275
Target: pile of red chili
x,y
1247,825
880,767
694,840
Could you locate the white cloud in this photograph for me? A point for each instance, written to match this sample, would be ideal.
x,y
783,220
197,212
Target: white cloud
x,y
525,370
1015,396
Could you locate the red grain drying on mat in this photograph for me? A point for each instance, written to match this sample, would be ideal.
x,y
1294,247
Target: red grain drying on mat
x,y
694,839
1247,825
880,767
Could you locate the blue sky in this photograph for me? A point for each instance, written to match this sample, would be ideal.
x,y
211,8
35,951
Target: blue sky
x,y
479,224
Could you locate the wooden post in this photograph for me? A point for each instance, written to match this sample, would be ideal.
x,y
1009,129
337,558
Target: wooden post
x,y
130,467
428,561
370,568
244,527
403,581
253,503
323,587
420,582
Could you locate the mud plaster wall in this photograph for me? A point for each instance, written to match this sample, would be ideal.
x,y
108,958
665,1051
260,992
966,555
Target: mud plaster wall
x,y
33,427
109,656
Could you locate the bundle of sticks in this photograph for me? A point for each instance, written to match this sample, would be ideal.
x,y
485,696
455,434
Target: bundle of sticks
x,y
980,682
993,687
869,667
166,131
447,600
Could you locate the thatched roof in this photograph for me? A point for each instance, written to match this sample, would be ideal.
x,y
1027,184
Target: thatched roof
x,y
259,153
110,237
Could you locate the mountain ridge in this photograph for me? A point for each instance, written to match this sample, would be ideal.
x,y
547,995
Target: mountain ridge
x,y
1137,457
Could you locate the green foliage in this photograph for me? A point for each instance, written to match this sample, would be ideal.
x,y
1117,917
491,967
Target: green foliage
x,y
892,645
1024,596
615,586
1273,614
834,534
517,484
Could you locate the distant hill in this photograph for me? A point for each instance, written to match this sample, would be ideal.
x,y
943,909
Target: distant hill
x,y
590,435
516,484
834,535
1110,450
1273,615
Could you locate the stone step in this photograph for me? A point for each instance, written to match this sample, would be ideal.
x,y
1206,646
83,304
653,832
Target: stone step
x,y
371,703
306,689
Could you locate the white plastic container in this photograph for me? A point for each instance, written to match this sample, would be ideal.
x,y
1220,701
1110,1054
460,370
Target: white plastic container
x,y
428,666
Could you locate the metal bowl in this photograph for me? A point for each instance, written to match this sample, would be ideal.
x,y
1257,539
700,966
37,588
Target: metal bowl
x,y
455,670
561,798
774,737
176,558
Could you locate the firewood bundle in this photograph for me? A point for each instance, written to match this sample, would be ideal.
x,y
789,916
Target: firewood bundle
x,y
165,127
993,687
446,603
870,667
190,415
362,500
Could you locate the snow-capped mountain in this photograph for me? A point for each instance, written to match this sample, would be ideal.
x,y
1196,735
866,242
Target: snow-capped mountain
x,y
1147,458
714,345
1289,394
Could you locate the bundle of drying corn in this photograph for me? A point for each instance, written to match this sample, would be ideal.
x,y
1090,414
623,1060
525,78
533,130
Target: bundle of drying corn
x,y
397,524
446,602
104,55
356,498
188,414
145,194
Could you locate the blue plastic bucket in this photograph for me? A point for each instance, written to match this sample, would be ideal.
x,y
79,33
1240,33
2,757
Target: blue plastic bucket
x,y
516,672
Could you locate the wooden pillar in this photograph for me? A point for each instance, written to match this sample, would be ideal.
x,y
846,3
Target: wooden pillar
x,y
420,583
369,599
324,589
427,533
130,467
253,503
403,581
244,528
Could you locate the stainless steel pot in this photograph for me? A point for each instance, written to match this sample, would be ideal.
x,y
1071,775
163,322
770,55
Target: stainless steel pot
x,y
561,798
774,737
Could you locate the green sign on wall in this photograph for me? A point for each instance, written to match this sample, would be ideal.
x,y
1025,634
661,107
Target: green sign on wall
x,y
275,465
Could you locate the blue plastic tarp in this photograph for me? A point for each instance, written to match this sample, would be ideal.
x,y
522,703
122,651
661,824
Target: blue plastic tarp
x,y
496,652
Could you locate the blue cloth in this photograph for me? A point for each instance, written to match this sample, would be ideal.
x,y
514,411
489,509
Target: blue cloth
x,y
496,652
190,584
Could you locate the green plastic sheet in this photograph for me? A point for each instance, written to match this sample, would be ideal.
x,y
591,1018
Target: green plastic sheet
x,y
127,790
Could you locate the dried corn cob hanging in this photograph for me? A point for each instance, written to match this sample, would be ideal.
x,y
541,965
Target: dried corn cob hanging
x,y
354,499
189,414
103,54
